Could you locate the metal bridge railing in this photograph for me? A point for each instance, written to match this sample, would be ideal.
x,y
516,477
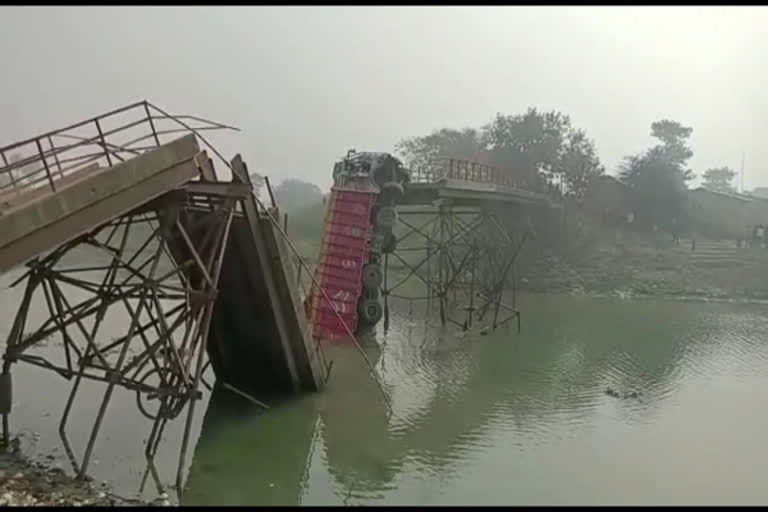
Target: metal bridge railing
x,y
462,170
474,172
42,162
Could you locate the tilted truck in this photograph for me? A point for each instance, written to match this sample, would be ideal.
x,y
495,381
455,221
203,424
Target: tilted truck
x,y
359,222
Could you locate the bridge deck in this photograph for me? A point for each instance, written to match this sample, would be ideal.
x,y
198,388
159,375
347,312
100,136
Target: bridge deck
x,y
40,219
463,192
53,196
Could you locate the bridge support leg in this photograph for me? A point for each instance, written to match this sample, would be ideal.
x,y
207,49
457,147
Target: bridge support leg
x,y
136,316
14,339
462,256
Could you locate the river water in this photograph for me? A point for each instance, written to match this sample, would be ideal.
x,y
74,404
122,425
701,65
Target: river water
x,y
505,418
516,419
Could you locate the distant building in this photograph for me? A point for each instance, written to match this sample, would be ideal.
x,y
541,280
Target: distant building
x,y
730,216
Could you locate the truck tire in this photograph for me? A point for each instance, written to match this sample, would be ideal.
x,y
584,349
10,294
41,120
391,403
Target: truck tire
x,y
386,217
370,311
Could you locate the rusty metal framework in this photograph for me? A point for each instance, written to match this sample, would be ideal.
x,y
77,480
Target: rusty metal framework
x,y
47,161
169,301
463,258
159,268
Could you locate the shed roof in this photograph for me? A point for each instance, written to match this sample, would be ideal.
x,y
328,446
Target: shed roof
x,y
736,196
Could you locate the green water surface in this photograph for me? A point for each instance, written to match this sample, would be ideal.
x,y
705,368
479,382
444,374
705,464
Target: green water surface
x,y
513,418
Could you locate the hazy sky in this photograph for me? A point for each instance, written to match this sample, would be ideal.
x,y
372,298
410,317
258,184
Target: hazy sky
x,y
306,84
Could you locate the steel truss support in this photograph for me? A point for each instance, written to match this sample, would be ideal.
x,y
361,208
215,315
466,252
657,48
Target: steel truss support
x,y
160,271
462,257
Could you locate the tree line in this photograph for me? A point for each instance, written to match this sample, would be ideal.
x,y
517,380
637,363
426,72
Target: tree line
x,y
543,149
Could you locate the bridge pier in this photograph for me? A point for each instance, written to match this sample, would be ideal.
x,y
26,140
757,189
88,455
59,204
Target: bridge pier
x,y
462,257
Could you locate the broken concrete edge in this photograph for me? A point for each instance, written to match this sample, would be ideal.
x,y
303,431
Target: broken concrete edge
x,y
301,341
251,214
279,280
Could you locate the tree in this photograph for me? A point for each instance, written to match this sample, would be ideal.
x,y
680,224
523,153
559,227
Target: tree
x,y
526,145
543,147
658,176
579,164
292,193
536,148
719,179
674,137
420,152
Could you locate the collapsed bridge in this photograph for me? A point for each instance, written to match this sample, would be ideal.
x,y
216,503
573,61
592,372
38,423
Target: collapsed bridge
x,y
143,262
147,267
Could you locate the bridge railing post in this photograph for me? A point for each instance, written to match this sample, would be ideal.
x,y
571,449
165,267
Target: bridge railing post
x,y
103,142
45,164
151,124
12,178
55,157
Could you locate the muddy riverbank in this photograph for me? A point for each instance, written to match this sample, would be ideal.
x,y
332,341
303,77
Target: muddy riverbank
x,y
24,482
649,273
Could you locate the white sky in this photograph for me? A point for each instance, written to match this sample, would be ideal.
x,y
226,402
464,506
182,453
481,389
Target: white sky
x,y
306,84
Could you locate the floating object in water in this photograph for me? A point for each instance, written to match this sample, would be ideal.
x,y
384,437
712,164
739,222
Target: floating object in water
x,y
615,394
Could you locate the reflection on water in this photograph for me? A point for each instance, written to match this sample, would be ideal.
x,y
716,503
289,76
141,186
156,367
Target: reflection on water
x,y
514,419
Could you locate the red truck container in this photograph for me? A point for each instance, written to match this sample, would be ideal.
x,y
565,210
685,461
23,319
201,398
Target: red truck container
x,y
343,254
348,273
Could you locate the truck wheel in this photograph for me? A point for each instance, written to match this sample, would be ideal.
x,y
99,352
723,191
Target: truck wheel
x,y
370,311
372,275
386,217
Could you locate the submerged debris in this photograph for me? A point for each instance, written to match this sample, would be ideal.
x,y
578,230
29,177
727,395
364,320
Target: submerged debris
x,y
616,394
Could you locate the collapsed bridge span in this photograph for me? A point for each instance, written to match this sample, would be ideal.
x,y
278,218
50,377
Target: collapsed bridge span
x,y
146,268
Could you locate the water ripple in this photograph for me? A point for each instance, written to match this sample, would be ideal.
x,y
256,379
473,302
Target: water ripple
x,y
526,418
